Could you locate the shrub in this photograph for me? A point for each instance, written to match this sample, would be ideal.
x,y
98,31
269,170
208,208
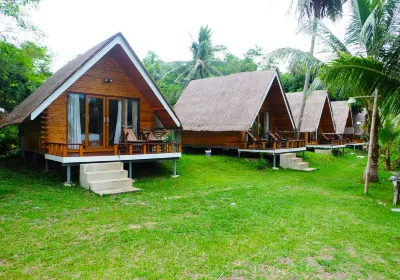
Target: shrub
x,y
262,163
9,140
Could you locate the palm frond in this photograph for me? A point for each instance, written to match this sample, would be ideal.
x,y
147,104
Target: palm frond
x,y
356,75
330,42
294,57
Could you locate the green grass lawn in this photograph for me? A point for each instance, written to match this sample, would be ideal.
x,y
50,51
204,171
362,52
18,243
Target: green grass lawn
x,y
221,217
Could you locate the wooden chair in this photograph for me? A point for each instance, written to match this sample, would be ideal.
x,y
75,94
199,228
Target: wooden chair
x,y
154,136
129,142
252,141
327,138
281,139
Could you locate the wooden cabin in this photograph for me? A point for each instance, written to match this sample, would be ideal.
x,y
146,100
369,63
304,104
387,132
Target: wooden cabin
x,y
77,115
318,123
359,121
343,119
239,111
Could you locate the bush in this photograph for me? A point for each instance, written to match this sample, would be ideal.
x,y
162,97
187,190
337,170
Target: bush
x,y
262,163
9,140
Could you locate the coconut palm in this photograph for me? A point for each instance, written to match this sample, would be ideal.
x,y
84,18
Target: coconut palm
x,y
315,10
203,59
366,61
374,67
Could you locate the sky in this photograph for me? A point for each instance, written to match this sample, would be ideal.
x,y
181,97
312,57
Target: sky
x,y
73,26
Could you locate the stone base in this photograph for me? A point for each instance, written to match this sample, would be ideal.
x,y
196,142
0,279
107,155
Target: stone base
x,y
323,151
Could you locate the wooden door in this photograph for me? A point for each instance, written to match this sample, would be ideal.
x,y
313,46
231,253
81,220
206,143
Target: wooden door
x,y
95,122
115,118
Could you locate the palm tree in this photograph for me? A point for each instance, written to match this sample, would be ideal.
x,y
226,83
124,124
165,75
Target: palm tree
x,y
316,10
203,59
365,61
387,136
374,68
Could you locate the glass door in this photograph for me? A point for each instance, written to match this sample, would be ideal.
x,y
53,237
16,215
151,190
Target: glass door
x,y
95,119
114,120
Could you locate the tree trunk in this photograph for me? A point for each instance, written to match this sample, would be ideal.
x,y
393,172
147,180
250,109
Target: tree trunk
x,y
306,86
388,163
371,171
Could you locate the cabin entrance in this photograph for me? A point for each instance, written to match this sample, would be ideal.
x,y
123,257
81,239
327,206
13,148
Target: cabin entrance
x,y
97,121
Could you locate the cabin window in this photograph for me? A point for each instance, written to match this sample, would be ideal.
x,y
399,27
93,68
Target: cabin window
x,y
76,117
267,128
132,114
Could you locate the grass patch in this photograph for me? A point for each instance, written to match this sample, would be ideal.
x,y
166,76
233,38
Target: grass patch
x,y
222,215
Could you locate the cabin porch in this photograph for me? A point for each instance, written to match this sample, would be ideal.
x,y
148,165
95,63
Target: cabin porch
x,y
126,153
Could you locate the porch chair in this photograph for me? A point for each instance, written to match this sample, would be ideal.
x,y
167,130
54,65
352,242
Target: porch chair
x,y
252,141
280,137
327,138
128,137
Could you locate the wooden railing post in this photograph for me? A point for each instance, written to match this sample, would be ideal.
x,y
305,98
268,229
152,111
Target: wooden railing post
x,y
274,145
144,149
81,150
130,149
179,148
115,150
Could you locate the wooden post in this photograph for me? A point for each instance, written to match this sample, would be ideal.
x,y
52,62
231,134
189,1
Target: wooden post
x,y
65,150
170,148
274,145
115,150
179,148
130,149
144,149
81,150
157,149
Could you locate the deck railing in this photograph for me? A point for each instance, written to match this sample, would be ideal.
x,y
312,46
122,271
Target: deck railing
x,y
61,149
146,148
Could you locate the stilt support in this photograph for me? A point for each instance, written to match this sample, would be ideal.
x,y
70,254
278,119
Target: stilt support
x,y
274,161
69,174
47,165
174,168
130,170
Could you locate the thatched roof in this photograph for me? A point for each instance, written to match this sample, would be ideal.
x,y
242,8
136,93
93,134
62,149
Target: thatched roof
x,y
61,77
358,120
341,112
228,103
313,109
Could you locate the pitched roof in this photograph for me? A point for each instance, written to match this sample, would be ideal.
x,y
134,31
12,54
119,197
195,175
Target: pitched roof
x,y
312,111
341,112
228,103
358,120
69,73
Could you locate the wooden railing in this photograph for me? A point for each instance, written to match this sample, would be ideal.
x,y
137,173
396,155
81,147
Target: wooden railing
x,y
339,142
61,149
146,148
296,143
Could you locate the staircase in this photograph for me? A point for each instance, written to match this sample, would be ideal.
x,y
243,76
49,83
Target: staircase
x,y
105,178
292,162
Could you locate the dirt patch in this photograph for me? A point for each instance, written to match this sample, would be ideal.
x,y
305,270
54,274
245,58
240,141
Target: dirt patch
x,y
285,260
145,225
173,197
3,263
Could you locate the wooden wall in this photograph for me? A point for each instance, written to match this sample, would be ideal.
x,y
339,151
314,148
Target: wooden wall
x,y
31,134
213,139
92,82
326,122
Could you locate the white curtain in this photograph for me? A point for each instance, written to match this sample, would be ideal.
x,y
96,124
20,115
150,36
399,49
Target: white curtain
x,y
135,115
74,121
266,121
118,126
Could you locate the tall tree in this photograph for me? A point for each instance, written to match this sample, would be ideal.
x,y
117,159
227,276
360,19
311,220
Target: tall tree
x,y
373,69
315,9
203,60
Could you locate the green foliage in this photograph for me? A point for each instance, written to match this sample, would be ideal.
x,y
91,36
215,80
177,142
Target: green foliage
x,y
292,83
388,135
22,69
14,18
262,163
8,140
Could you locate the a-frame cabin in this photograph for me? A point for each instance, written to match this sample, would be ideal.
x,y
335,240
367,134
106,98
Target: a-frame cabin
x,y
78,114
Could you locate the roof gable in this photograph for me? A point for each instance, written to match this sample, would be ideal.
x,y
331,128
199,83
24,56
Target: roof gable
x,y
341,113
315,102
55,85
227,103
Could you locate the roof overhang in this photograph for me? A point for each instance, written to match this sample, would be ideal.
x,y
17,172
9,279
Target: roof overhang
x,y
119,40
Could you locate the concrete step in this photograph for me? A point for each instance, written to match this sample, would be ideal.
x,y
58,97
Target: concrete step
x,y
309,169
291,155
296,160
105,175
100,185
301,166
117,191
96,167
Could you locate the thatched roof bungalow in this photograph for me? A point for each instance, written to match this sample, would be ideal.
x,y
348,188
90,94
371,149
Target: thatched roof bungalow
x,y
218,111
359,119
343,118
317,117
